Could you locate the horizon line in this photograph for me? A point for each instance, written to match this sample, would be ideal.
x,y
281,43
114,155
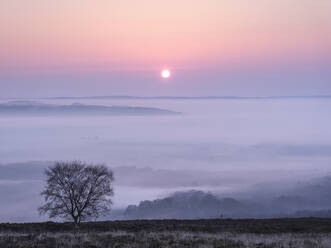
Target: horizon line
x,y
187,97
176,97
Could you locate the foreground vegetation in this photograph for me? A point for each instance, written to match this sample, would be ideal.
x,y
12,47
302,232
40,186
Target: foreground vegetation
x,y
273,233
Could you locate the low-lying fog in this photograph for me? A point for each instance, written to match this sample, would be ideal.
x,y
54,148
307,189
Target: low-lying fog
x,y
221,146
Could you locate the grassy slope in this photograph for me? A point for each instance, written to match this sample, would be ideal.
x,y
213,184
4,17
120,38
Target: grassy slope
x,y
262,226
269,233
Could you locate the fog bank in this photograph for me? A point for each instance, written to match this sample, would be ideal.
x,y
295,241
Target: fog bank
x,y
223,146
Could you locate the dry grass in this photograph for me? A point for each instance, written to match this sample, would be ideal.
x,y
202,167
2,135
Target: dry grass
x,y
273,233
164,239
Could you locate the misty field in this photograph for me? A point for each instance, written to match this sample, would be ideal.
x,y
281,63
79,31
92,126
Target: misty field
x,y
272,233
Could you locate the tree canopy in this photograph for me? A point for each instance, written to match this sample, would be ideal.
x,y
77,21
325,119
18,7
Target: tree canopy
x,y
77,190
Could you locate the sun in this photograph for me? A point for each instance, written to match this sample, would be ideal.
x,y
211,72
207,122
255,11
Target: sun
x,y
165,73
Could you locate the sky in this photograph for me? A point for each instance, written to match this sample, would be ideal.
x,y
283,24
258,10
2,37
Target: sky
x,y
118,47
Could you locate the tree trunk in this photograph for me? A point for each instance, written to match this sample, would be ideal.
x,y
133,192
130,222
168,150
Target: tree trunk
x,y
76,225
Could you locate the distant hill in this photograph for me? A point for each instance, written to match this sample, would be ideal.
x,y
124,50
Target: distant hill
x,y
35,108
184,205
309,200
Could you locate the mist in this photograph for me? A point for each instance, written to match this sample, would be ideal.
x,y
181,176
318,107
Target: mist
x,y
227,147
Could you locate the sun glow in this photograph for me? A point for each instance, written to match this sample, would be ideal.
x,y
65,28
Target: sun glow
x,y
165,73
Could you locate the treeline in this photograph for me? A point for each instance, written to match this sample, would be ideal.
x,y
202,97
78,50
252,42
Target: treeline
x,y
200,205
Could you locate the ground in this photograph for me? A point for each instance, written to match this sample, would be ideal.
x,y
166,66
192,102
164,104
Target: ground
x,y
272,233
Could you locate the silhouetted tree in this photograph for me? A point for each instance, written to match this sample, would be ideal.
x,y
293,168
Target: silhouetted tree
x,y
78,191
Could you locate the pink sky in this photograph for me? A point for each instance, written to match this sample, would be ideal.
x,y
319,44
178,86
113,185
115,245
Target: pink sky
x,y
134,39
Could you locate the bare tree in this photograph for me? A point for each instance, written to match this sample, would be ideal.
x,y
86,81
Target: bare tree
x,y
78,191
